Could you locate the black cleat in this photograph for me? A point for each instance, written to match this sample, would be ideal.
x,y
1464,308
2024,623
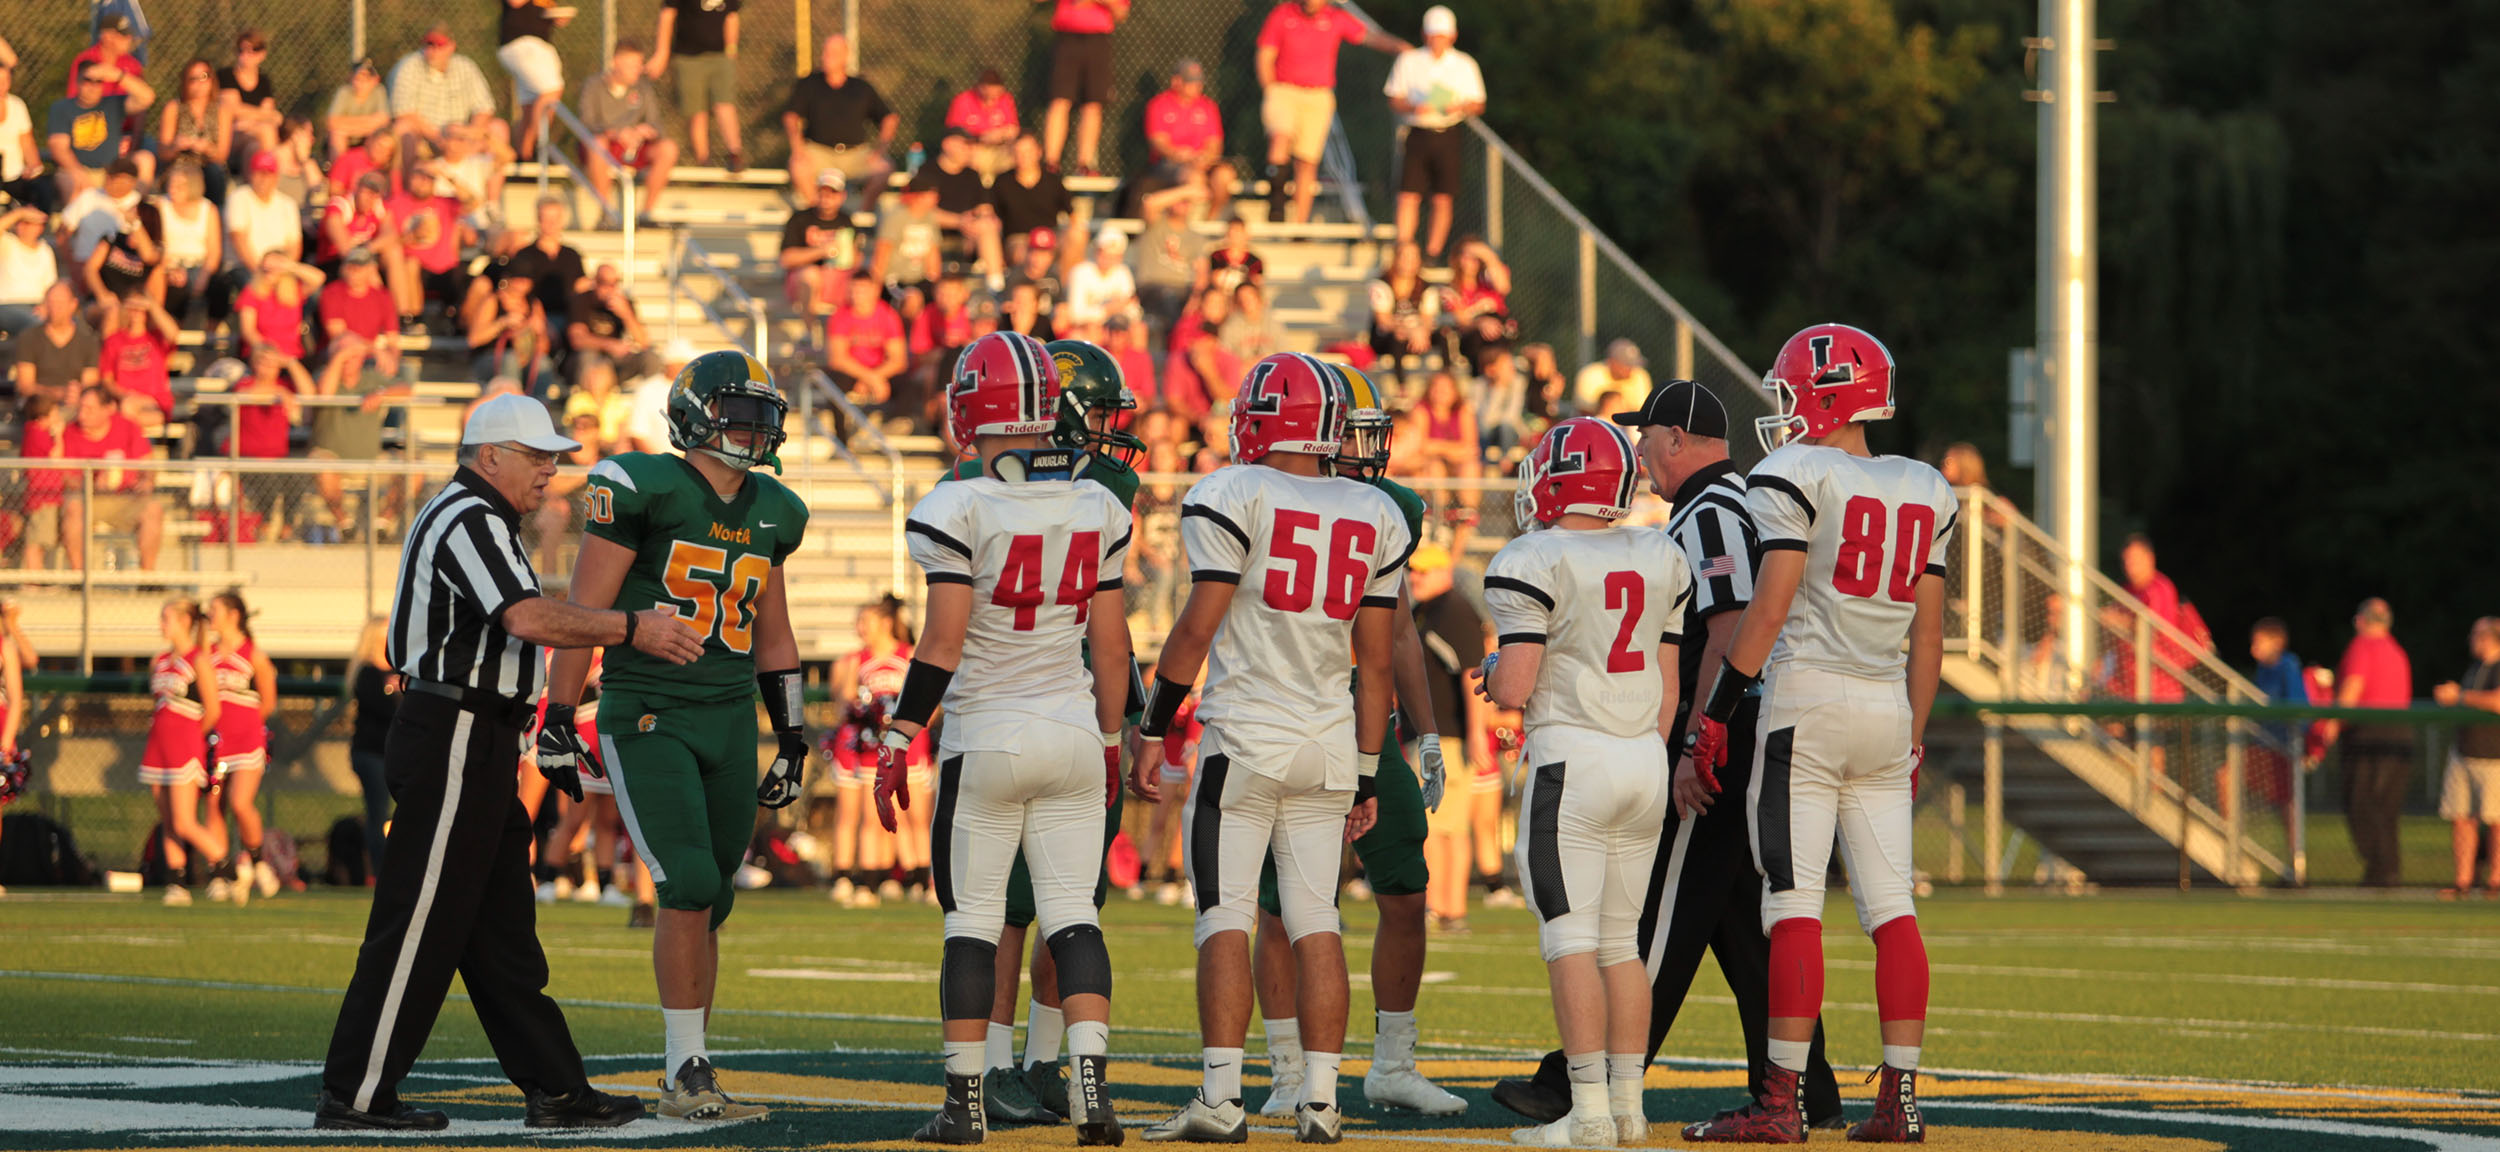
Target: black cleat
x,y
1090,1096
586,1108
959,1120
332,1112
1544,1098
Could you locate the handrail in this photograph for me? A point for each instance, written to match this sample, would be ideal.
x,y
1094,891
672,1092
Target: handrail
x,y
1337,160
581,135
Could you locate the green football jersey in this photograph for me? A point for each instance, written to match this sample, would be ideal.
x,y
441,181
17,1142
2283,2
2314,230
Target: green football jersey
x,y
1408,502
1121,479
707,557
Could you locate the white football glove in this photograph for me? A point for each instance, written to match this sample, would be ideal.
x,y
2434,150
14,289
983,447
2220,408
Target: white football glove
x,y
1432,774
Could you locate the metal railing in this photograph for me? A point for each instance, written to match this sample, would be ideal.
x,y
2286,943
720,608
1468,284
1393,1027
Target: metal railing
x,y
623,210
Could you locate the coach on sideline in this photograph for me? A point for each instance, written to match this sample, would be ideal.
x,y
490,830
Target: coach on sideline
x,y
454,894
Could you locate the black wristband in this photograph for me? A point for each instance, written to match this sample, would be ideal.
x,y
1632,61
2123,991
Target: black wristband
x,y
924,688
628,641
558,716
1162,704
784,701
1365,787
1136,691
1729,693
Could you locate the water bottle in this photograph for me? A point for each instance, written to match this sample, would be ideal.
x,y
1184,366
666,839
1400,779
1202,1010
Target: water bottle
x,y
911,162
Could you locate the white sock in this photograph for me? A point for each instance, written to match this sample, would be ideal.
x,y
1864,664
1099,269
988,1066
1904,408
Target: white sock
x,y
964,1057
1043,1026
1588,1082
1624,1071
1223,1075
999,1050
1088,1038
1902,1056
685,1038
1790,1054
1393,1044
1284,1044
1319,1077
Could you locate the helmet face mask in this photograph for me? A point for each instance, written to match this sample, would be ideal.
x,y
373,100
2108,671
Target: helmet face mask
x,y
1363,453
725,404
1094,403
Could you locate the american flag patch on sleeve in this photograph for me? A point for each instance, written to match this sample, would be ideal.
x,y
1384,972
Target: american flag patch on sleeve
x,y
1716,566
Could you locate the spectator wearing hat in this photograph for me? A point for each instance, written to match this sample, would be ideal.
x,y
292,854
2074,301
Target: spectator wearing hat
x,y
701,38
1099,289
1623,371
245,92
83,132
819,250
839,121
524,35
358,108
116,250
115,36
622,113
437,93
260,219
1030,198
362,219
1080,74
1298,72
28,267
1039,271
22,178
986,113
1183,125
964,207
360,330
1434,90
910,241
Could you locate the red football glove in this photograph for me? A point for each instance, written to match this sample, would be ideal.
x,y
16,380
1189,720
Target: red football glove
x,y
1918,760
1708,747
893,765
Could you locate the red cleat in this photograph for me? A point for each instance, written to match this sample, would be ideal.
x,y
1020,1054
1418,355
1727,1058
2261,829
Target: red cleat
x,y
1772,1119
1896,1119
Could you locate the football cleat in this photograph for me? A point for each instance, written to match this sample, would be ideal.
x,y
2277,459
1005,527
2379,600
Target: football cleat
x,y
1199,1122
1572,1131
1896,1119
1284,1088
1049,1083
1096,1123
177,896
1544,1097
697,1095
1401,1086
958,1121
1772,1119
1008,1099
1631,1127
1318,1123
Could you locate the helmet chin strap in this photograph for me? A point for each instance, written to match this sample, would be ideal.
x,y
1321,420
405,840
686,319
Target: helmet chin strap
x,y
771,460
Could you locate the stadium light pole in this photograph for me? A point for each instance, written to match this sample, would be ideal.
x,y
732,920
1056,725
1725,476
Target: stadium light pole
x,y
2069,302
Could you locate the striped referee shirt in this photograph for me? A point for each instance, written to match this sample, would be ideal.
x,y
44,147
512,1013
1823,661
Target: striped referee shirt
x,y
462,566
1717,534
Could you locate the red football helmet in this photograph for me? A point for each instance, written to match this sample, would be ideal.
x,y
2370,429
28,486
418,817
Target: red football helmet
x,y
1824,377
1583,464
1290,402
1005,385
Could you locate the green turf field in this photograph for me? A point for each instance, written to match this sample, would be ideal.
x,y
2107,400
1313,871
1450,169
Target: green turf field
x,y
2050,1015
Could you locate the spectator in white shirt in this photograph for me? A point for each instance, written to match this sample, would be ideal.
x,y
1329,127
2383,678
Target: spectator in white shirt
x,y
1623,370
1100,289
27,268
260,219
1433,89
21,154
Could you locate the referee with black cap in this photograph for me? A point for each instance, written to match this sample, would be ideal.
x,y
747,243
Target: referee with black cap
x,y
454,895
1703,892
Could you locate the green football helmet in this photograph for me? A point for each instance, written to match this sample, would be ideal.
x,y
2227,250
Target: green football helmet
x,y
1090,381
1363,453
720,394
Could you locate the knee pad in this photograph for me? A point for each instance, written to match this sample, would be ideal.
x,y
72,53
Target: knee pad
x,y
967,978
1084,963
1880,902
1219,918
1309,918
1569,934
1613,952
692,890
1793,904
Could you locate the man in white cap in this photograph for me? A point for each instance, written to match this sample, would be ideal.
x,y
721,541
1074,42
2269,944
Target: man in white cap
x,y
1433,89
454,894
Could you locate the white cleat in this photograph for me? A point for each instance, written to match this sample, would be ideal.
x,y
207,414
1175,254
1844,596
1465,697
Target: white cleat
x,y
615,896
264,879
219,891
1199,1122
547,892
587,893
1631,1128
1574,1131
1404,1087
1284,1090
1317,1123
177,896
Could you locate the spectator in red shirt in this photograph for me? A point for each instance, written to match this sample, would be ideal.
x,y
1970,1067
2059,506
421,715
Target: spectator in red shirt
x,y
1298,72
864,345
138,338
359,324
1232,264
1183,125
378,153
2378,758
2145,582
432,234
125,499
1199,373
1125,340
938,335
270,309
38,514
986,113
1080,74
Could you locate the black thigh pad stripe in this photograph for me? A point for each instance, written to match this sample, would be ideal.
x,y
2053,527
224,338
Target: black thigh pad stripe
x,y
942,832
1544,847
1206,824
1779,869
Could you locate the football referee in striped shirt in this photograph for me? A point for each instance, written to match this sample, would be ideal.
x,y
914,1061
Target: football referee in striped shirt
x,y
1703,891
454,895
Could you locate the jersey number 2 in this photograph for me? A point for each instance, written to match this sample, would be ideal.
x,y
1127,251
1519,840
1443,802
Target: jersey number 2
x,y
1859,570
730,607
1020,583
1626,594
1289,587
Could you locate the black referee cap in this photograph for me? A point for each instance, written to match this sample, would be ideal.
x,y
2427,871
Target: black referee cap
x,y
1680,404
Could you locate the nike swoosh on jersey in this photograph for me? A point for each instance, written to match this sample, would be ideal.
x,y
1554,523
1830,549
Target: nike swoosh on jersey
x,y
766,524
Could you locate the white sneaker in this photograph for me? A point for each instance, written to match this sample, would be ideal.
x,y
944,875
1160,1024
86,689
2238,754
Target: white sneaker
x,y
1573,1131
1169,894
750,877
892,889
1631,1128
1199,1122
1504,898
1317,1123
219,891
177,896
264,879
563,888
1358,889
1284,1090
1401,1086
842,891
547,892
616,897
587,893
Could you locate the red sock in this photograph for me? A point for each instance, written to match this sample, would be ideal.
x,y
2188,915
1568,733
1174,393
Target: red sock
x,y
1797,969
1900,970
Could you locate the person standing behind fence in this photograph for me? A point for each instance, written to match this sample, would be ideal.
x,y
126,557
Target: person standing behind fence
x,y
467,620
701,36
1080,74
247,690
524,35
839,121
181,745
2378,758
1434,90
2469,795
1298,71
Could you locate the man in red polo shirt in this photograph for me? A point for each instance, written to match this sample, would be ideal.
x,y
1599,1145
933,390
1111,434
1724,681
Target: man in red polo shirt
x,y
986,112
864,345
1080,74
1298,71
125,499
2378,758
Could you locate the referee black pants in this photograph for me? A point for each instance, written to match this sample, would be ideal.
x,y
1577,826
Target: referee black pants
x,y
454,896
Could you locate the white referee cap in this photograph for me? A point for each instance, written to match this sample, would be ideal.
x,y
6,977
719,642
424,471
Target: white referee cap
x,y
515,419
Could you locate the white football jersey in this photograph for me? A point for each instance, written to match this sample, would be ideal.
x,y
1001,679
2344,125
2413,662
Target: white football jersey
x,y
1870,527
1308,553
1602,602
1034,553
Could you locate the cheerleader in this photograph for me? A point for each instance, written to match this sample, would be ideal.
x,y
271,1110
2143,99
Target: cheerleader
x,y
12,684
247,686
174,766
868,682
